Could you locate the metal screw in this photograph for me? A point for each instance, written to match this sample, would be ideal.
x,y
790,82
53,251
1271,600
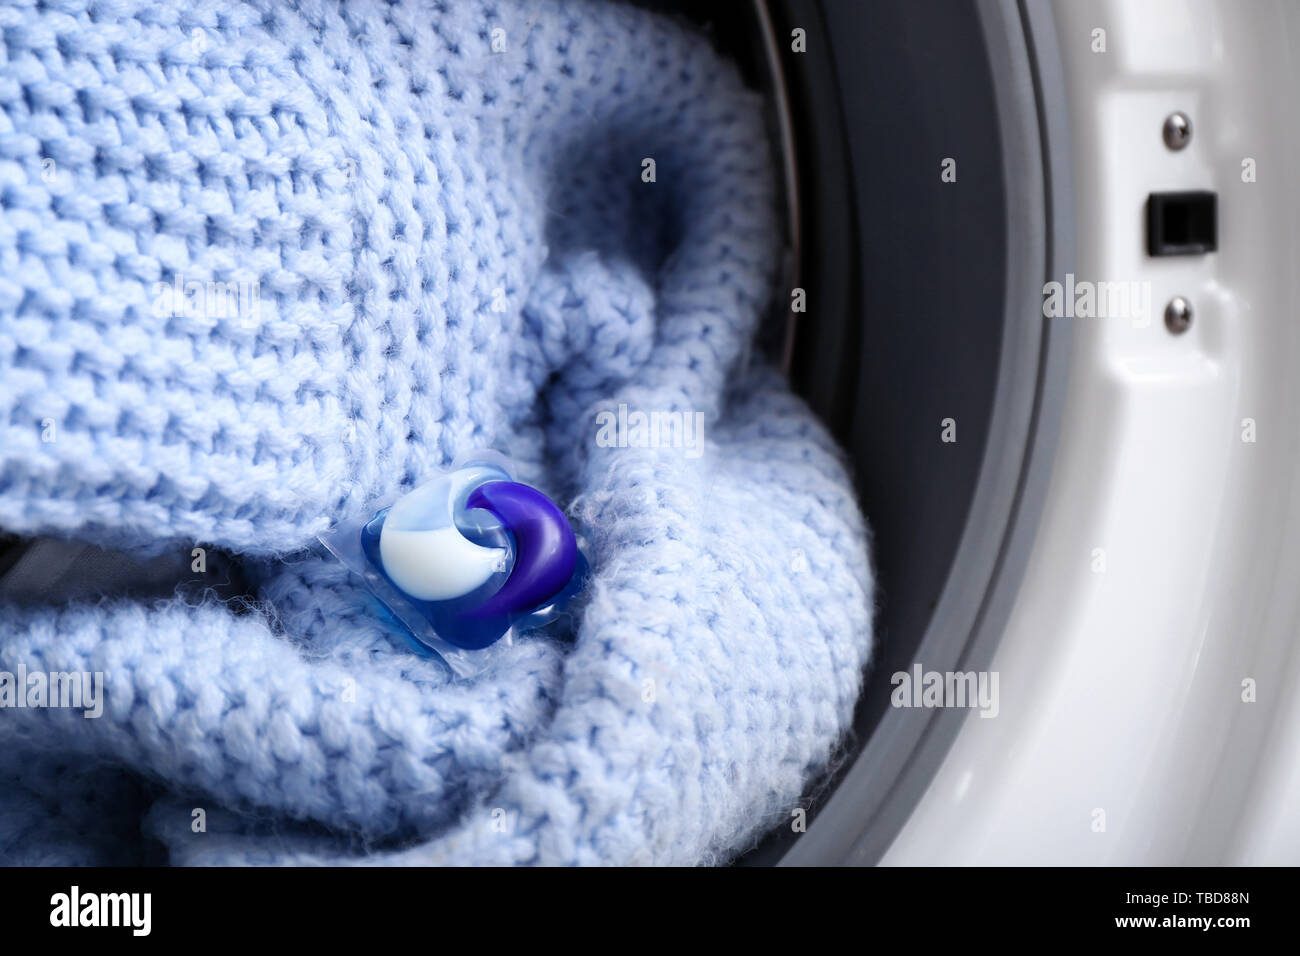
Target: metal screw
x,y
1178,315
1178,130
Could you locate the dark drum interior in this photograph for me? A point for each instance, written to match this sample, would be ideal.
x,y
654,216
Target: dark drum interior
x,y
923,310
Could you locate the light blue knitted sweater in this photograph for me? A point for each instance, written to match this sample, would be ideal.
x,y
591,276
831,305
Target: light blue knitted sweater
x,y
443,211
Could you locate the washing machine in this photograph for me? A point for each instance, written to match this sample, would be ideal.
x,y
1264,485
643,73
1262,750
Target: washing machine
x,y
1052,248
1049,247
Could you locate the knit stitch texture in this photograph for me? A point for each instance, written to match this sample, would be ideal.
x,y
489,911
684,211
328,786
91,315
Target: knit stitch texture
x,y
444,212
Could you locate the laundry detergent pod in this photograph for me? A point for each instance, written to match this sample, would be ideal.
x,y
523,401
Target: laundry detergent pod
x,y
467,558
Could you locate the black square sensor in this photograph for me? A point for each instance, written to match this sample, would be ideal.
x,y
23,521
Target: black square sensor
x,y
1182,224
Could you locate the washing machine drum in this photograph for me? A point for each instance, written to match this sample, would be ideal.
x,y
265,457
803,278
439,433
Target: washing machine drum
x,y
926,189
927,168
